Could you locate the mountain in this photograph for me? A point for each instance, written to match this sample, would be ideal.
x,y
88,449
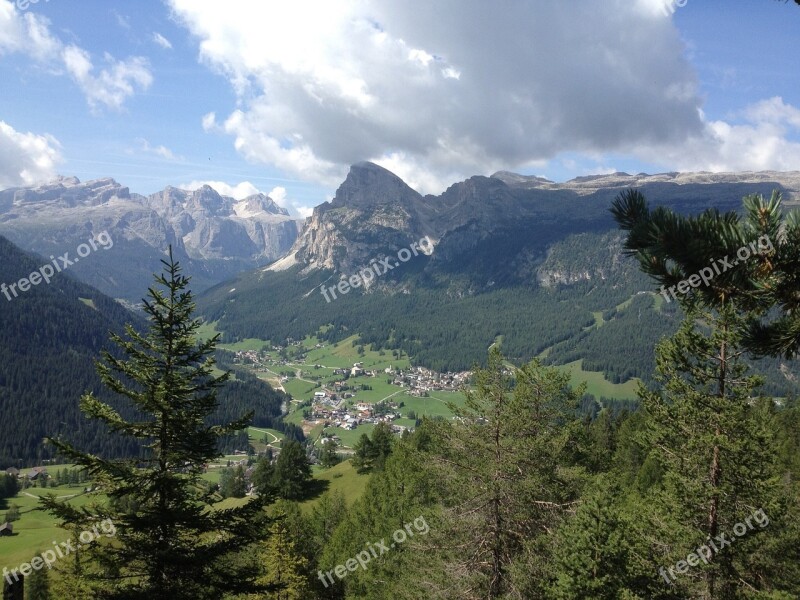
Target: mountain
x,y
536,265
50,336
214,236
52,330
498,227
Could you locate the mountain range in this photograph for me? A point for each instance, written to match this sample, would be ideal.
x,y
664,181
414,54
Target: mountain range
x,y
535,266
51,335
373,209
215,236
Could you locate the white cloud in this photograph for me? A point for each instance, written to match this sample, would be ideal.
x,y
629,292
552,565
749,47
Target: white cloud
x,y
240,191
444,89
209,121
26,158
278,194
162,41
29,34
123,21
160,150
761,141
26,33
112,85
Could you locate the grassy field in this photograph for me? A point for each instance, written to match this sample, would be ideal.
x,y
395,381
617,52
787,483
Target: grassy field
x,y
343,478
207,330
597,384
345,354
350,437
300,390
433,406
37,530
275,437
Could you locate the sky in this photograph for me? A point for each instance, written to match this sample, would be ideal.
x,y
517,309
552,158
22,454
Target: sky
x,y
282,97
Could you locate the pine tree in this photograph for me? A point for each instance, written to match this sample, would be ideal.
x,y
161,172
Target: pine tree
x,y
232,482
292,471
398,496
328,457
362,454
598,553
497,465
285,568
371,453
713,439
174,544
708,433
37,586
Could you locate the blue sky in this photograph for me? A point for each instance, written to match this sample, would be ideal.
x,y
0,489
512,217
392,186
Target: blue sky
x,y
258,95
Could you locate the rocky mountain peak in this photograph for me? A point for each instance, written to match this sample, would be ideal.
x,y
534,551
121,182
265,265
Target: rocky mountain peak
x,y
65,192
368,184
523,181
258,203
222,234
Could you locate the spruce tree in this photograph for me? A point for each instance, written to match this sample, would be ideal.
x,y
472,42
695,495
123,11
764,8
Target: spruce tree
x,y
37,585
284,567
292,471
174,544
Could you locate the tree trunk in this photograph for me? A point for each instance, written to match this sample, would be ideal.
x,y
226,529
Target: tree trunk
x,y
715,472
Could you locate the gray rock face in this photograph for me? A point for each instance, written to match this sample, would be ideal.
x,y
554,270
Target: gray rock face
x,y
212,226
500,227
373,212
215,236
789,181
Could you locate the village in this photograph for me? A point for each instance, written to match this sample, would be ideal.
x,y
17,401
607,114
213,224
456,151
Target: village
x,y
346,397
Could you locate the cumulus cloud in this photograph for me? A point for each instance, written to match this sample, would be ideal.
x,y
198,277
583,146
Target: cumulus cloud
x,y
110,85
26,158
209,121
279,195
26,33
761,138
440,89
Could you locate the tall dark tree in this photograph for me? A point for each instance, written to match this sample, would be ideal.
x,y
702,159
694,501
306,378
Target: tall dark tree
x,y
720,269
37,586
497,468
371,453
328,456
713,440
292,471
174,544
232,482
